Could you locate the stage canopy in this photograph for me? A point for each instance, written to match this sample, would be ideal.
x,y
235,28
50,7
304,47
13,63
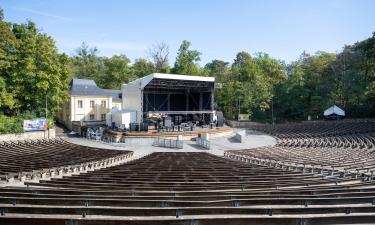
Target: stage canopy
x,y
169,94
334,110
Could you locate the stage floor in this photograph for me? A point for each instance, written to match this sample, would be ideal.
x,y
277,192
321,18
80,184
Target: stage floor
x,y
218,144
213,132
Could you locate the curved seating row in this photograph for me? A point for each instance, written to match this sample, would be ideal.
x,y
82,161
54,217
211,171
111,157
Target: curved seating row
x,y
192,188
29,156
345,145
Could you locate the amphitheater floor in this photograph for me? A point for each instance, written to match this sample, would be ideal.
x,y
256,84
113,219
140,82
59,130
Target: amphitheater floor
x,y
218,145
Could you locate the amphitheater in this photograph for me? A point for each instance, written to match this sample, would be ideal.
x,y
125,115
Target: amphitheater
x,y
301,174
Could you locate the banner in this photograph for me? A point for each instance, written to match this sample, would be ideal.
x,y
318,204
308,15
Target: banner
x,y
34,124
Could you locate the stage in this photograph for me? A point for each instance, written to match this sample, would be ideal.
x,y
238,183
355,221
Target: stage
x,y
184,135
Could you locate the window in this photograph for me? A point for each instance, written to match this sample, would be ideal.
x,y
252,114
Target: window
x,y
92,116
80,104
92,104
103,117
104,104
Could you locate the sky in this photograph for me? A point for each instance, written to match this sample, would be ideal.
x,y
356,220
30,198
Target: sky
x,y
219,29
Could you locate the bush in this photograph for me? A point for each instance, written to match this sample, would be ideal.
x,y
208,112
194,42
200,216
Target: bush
x,y
13,124
10,124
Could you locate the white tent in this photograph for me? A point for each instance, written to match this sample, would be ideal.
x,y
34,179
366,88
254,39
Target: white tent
x,y
334,110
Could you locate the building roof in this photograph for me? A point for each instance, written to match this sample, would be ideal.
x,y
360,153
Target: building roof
x,y
82,87
145,80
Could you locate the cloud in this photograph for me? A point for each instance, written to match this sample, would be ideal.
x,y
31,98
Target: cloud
x,y
40,13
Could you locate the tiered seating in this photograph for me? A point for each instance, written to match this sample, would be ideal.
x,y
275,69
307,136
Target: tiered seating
x,y
191,188
28,156
319,128
343,145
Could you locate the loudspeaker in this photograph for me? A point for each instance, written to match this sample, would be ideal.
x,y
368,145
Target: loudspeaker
x,y
144,126
133,126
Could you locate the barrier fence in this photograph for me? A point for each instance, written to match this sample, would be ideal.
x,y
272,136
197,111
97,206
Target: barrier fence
x,y
203,143
168,143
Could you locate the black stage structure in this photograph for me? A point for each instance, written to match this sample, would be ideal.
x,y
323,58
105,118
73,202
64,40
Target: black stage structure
x,y
172,99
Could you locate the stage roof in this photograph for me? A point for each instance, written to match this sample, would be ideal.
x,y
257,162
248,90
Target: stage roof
x,y
142,82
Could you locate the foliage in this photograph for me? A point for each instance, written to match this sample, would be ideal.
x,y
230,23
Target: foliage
x,y
30,69
218,69
10,124
13,124
86,63
117,72
250,84
143,67
186,60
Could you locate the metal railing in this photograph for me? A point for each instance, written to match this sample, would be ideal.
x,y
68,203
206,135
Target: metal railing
x,y
203,143
168,143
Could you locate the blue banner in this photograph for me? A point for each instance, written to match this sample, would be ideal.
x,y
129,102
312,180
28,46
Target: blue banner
x,y
34,124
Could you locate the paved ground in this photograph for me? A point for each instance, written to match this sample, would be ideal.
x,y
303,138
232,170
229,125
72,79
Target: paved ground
x,y
218,145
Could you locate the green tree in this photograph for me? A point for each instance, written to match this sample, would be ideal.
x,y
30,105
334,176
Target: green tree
x,y
117,71
317,75
8,45
272,69
247,89
186,61
86,64
366,49
34,70
143,67
291,96
218,69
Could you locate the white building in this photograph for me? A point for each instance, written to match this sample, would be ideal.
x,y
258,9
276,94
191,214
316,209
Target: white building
x,y
88,104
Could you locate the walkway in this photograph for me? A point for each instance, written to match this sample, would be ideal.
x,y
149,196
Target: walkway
x,y
218,145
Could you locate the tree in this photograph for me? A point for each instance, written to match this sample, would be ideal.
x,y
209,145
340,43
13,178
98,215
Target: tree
x,y
143,67
33,70
318,73
291,96
86,63
159,54
51,75
8,45
218,69
366,49
117,71
272,69
186,61
247,89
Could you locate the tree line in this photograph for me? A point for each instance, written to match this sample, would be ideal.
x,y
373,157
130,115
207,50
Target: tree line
x,y
33,72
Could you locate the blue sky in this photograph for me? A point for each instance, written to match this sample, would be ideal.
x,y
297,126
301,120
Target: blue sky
x,y
218,29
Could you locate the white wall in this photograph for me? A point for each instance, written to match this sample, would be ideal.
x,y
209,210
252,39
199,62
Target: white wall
x,y
132,99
